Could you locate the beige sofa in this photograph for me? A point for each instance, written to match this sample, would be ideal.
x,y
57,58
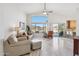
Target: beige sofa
x,y
21,47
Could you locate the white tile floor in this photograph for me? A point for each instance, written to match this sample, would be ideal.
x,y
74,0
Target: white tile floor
x,y
54,47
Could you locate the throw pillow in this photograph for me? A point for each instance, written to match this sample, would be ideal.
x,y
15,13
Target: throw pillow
x,y
10,40
14,37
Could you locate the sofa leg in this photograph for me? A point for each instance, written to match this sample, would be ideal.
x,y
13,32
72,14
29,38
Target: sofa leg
x,y
4,54
24,54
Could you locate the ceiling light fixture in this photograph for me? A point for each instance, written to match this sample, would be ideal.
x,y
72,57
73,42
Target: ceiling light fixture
x,y
45,11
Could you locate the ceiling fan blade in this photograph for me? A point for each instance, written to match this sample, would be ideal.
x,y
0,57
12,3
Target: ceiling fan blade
x,y
50,11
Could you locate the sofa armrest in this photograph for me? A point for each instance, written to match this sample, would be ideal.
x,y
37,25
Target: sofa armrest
x,y
19,43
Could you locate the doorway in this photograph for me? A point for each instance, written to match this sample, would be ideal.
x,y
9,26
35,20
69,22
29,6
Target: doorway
x,y
39,27
55,29
58,29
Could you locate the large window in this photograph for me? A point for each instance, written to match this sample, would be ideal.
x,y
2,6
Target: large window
x,y
39,23
39,18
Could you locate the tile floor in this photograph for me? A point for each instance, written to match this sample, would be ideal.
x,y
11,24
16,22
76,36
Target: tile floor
x,y
57,46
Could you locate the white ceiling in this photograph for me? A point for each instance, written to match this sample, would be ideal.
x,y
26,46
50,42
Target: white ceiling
x,y
55,7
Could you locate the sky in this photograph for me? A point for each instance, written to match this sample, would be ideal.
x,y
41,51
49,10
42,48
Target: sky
x,y
39,19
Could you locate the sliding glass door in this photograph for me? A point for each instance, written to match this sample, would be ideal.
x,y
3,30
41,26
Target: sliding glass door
x,y
39,27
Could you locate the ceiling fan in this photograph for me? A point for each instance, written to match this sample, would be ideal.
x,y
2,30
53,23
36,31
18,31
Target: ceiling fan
x,y
45,11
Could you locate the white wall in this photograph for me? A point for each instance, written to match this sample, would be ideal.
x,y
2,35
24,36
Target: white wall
x,y
77,30
9,15
1,29
28,20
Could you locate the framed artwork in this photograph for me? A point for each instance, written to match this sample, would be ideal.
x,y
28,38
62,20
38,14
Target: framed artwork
x,y
22,25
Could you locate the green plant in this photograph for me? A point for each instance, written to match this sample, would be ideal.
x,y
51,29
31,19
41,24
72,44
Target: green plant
x,y
27,28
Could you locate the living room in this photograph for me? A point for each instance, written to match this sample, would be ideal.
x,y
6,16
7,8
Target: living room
x,y
18,17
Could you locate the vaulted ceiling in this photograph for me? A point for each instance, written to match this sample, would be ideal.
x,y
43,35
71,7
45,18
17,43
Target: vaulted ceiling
x,y
55,7
59,8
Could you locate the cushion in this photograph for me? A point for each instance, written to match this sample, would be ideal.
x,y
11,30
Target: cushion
x,y
23,34
10,40
22,38
14,36
19,34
